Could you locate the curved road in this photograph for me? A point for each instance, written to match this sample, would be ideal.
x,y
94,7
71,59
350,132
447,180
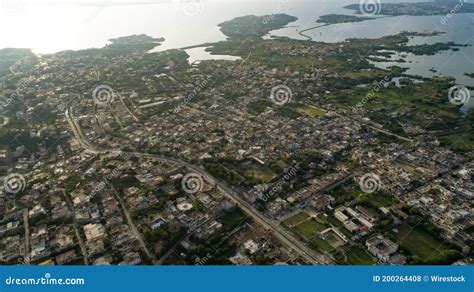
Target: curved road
x,y
280,233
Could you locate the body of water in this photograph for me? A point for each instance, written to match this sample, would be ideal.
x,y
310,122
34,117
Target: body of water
x,y
72,25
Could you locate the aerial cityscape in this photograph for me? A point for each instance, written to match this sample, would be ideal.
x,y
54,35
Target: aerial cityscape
x,y
288,140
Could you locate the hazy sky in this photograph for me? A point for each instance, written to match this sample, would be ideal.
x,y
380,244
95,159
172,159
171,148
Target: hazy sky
x,y
49,26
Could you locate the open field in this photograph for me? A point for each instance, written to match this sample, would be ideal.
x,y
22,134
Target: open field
x,y
296,219
358,256
321,244
311,111
260,174
423,246
310,228
333,239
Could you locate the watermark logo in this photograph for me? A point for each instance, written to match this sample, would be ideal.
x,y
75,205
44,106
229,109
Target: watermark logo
x,y
103,95
4,102
47,279
197,89
453,11
7,101
370,7
103,184
376,86
192,183
13,7
277,186
204,260
14,183
269,18
459,95
370,183
281,95
24,260
192,7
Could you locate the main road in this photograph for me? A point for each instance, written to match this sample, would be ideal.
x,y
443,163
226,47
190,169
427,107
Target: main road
x,y
279,232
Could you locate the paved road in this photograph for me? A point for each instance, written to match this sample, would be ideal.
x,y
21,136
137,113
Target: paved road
x,y
279,232
27,235
77,132
85,255
131,224
185,237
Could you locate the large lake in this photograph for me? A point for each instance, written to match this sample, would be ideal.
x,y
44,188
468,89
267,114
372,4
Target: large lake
x,y
51,27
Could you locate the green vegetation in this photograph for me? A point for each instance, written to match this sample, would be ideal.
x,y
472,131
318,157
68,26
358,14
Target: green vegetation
x,y
257,107
341,18
8,57
298,218
287,112
377,199
321,244
343,194
425,104
254,26
469,74
260,174
233,218
359,256
246,172
311,111
310,228
134,42
161,60
214,251
424,247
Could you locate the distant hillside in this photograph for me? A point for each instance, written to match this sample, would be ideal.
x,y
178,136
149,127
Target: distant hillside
x,y
416,9
9,56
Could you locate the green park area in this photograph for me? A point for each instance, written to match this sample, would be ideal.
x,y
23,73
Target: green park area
x,y
424,247
298,218
359,256
311,111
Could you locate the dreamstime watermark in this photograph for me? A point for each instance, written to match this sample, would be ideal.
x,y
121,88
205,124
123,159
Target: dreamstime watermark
x,y
453,11
279,184
192,183
370,183
7,101
370,7
45,280
281,95
101,186
268,18
24,260
192,7
103,95
199,87
14,183
204,260
459,95
376,86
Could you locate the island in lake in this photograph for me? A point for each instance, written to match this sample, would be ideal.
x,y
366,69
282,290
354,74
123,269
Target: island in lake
x,y
254,26
341,18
